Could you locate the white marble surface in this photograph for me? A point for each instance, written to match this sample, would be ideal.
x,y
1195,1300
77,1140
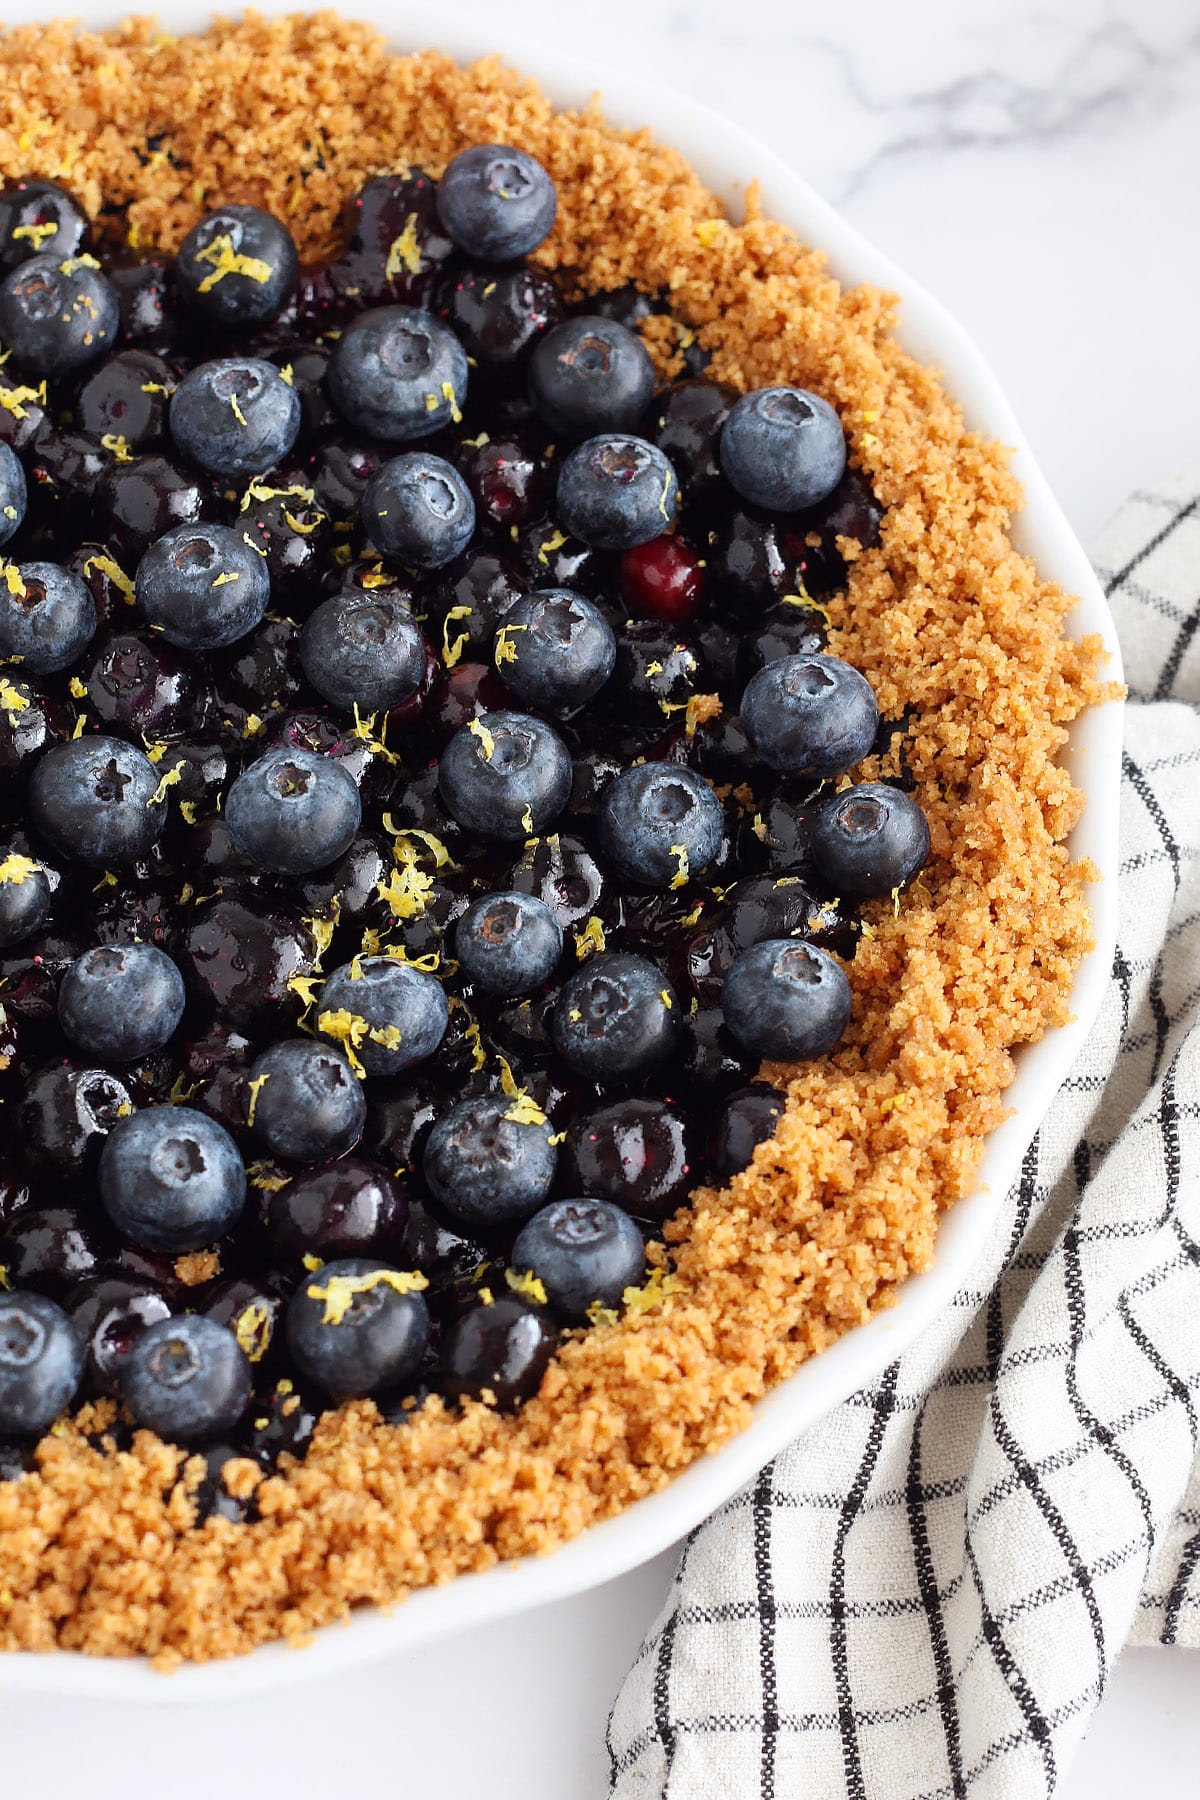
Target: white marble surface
x,y
1034,164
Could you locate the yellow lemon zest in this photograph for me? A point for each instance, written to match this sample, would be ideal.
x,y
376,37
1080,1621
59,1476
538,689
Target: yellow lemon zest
x,y
253,1330
13,582
18,869
527,1285
80,723
406,891
341,1291
451,652
682,867
236,410
267,1180
654,668
169,780
694,917
599,1314
486,1296
323,928
225,577
347,1029
478,729
405,852
657,1289
709,230
107,565
107,880
286,374
478,1053
257,490
312,1263
590,938
187,811
79,689
13,399
451,399
555,541
117,446
12,701
404,252
305,988
225,260
36,233
255,1087
181,1091
255,725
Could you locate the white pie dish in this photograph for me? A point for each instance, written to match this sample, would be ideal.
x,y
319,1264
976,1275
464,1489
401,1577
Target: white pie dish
x,y
727,158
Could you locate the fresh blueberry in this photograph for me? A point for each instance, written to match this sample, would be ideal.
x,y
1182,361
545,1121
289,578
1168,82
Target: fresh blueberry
x,y
750,1117
98,800
25,895
583,1252
13,493
810,715
358,1327
187,1379
506,775
39,217
305,1102
616,1017
503,1350
121,1001
397,372
56,314
110,1311
171,1179
390,1015
786,999
496,202
47,617
660,823
419,509
293,811
235,416
363,650
237,268
508,943
203,586
615,492
870,840
488,1165
554,650
782,448
590,374
41,1363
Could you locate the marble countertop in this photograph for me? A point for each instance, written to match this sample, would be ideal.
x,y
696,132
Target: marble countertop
x,y
1034,165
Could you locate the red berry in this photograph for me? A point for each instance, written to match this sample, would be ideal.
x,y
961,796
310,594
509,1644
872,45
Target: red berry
x,y
662,579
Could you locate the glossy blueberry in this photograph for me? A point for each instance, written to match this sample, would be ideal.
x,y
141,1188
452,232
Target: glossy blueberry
x,y
25,895
357,1327
404,1012
509,943
237,268
203,586
363,650
635,1152
125,398
121,1001
590,375
40,218
616,491
870,840
187,1379
487,1168
616,1017
749,1117
554,650
810,715
351,1207
304,1101
498,314
397,372
41,1363
786,999
419,509
110,1311
497,203
506,775
660,823
582,1252
47,618
502,1350
782,448
13,493
95,800
171,1179
57,314
293,811
234,416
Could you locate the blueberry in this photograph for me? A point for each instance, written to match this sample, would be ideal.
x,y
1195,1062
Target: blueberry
x,y
660,823
635,1152
363,650
13,493
502,1350
110,1311
496,202
487,1165
506,775
786,999
358,1327
237,268
234,416
25,895
750,1117
41,1363
121,1001
498,314
869,841
39,217
397,372
305,1102
391,1015
508,943
418,508
97,799
171,1179
590,374
125,398
617,1016
616,491
555,650
203,586
187,1379
56,314
810,715
293,811
782,448
47,617
582,1252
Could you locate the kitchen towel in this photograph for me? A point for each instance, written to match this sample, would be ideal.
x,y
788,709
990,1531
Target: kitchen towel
x,y
924,1596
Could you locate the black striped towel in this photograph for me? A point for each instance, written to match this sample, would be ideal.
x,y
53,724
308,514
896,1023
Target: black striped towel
x,y
924,1597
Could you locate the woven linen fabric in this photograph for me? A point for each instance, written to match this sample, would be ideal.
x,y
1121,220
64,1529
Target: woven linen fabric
x,y
924,1596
